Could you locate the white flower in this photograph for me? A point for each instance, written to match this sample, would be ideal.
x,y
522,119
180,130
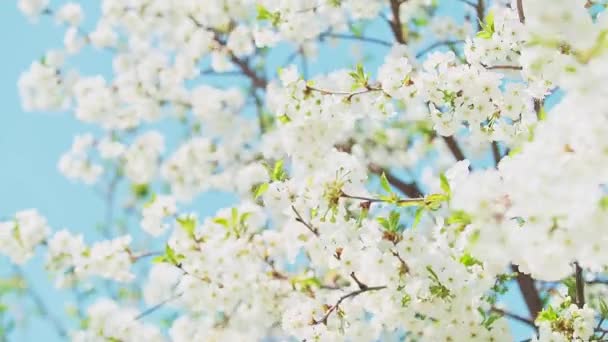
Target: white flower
x,y
70,13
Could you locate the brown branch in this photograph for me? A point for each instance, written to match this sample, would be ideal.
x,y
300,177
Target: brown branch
x,y
529,292
503,67
409,189
343,298
468,3
516,317
580,285
353,37
349,95
395,23
520,11
454,148
157,306
436,45
379,200
480,8
495,152
302,221
256,80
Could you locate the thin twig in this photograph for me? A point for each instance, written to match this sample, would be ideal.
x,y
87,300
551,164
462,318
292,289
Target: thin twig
x,y
341,299
302,221
157,306
353,37
516,317
436,45
41,305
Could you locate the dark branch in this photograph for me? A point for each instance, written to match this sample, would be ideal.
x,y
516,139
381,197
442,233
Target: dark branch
x,y
454,148
302,221
529,292
520,11
436,45
341,299
580,285
516,317
353,37
395,23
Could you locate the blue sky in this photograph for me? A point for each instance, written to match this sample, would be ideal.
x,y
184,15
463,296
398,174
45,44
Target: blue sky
x,y
31,143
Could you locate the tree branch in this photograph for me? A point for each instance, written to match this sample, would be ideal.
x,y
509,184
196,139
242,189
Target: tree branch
x,y
580,285
454,148
302,221
341,299
520,11
395,23
529,292
436,45
516,317
353,37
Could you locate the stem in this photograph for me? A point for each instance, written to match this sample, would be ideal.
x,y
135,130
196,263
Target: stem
x,y
529,292
580,285
408,189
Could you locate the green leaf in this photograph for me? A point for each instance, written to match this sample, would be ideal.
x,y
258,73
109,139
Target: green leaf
x,y
263,13
260,190
570,284
159,259
284,119
383,222
140,191
278,173
487,27
170,254
359,77
603,307
188,224
604,203
221,221
548,315
445,185
393,219
420,21
542,114
418,217
489,20
385,184
467,260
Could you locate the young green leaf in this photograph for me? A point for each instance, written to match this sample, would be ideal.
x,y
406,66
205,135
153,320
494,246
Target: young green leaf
x,y
385,184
